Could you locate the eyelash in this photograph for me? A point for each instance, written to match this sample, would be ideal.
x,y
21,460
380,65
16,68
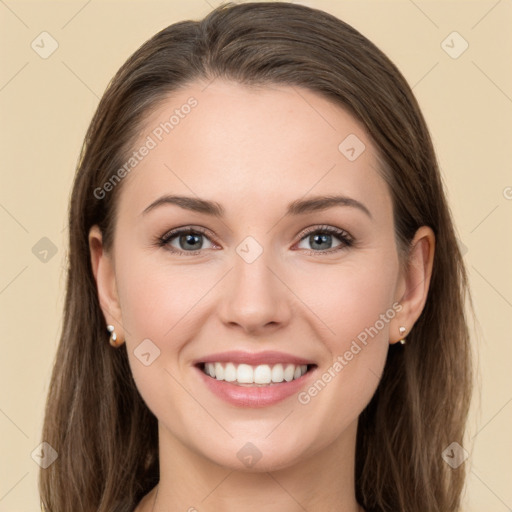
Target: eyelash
x,y
343,236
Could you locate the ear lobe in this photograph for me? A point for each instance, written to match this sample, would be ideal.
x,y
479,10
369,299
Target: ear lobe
x,y
104,275
416,281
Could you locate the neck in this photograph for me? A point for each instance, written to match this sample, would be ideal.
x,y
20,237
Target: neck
x,y
189,482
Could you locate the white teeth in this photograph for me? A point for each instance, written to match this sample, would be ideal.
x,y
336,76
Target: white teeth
x,y
259,375
289,372
262,374
277,373
244,374
219,371
229,372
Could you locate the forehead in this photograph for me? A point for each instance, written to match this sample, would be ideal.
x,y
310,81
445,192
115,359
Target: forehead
x,y
261,146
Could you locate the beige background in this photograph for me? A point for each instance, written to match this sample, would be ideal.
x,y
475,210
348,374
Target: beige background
x,y
46,105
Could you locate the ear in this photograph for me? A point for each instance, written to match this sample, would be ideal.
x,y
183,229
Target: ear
x,y
104,274
414,282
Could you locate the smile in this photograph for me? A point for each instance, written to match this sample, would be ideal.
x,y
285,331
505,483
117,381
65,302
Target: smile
x,y
260,375
245,379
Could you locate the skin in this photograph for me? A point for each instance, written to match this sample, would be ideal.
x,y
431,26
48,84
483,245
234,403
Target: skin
x,y
254,150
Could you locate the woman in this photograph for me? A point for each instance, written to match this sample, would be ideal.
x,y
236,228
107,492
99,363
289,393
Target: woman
x,y
258,226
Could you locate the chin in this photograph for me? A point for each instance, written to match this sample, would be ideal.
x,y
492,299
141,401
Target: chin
x,y
258,455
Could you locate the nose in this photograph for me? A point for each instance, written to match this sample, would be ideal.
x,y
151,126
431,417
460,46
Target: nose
x,y
254,297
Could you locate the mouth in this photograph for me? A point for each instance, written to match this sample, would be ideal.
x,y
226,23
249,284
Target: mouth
x,y
261,375
248,379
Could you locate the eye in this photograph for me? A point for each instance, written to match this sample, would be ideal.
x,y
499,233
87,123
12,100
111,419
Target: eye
x,y
190,240
321,239
185,240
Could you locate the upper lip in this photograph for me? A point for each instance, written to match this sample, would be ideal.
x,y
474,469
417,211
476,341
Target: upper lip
x,y
253,358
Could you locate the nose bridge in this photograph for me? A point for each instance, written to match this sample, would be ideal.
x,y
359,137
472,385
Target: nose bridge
x,y
254,298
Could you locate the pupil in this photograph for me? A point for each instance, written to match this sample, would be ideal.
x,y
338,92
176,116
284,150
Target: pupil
x,y
322,239
190,238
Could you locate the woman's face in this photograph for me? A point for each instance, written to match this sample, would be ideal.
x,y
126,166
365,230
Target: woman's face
x,y
271,274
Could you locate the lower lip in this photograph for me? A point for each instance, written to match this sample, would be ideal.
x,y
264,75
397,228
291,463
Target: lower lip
x,y
254,396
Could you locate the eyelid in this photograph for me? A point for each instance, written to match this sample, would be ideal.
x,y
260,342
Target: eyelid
x,y
184,229
325,227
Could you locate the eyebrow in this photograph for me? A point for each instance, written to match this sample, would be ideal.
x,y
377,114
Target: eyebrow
x,y
297,207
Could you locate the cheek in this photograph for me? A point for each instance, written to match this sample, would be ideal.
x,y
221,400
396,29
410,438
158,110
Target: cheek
x,y
358,315
158,298
158,304
352,300
346,383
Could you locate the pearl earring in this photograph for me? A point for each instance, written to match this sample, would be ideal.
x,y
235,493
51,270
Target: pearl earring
x,y
113,336
402,332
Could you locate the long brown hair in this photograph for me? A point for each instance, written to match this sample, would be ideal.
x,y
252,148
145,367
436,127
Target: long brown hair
x,y
104,433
